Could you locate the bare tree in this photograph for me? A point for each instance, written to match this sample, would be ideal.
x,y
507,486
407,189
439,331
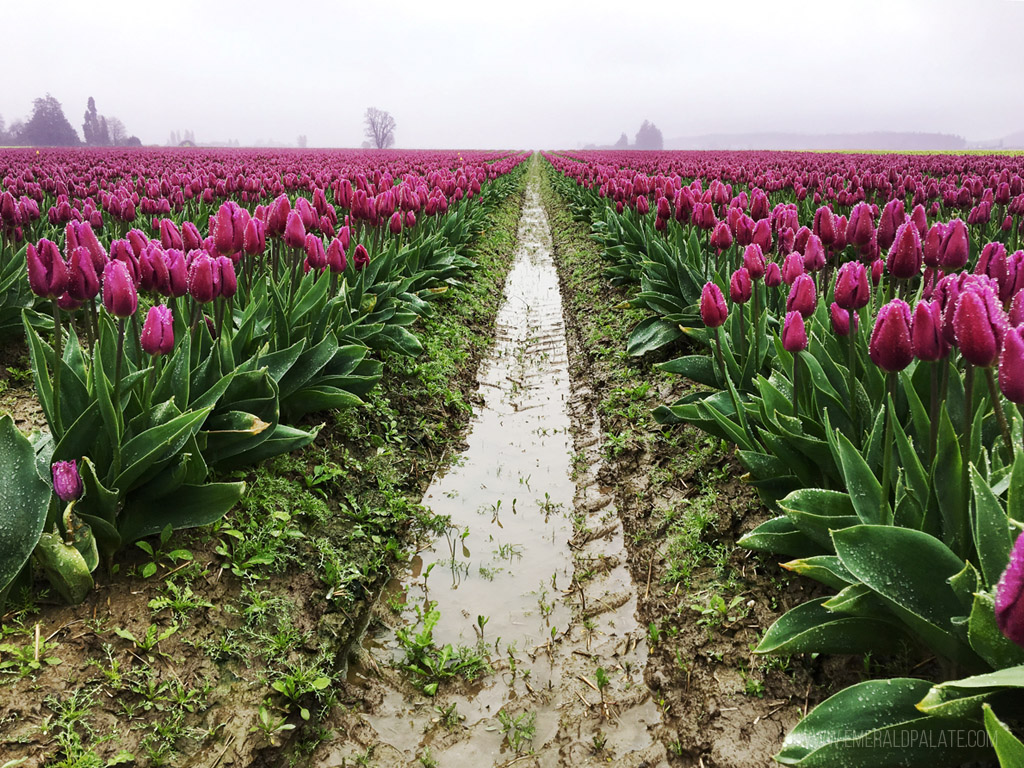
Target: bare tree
x,y
117,132
380,128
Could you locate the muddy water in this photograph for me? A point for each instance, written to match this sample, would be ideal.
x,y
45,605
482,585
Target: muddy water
x,y
531,574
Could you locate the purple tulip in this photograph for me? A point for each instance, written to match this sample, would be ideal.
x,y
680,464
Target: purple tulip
x,y
360,258
861,227
803,296
254,238
978,323
202,277
1011,366
740,286
170,236
177,273
792,267
1010,596
119,295
906,255
794,335
295,231
191,240
890,347
926,332
954,250
814,254
825,226
158,331
721,237
852,290
841,320
772,275
753,260
713,309
227,280
47,272
67,483
336,260
83,282
932,245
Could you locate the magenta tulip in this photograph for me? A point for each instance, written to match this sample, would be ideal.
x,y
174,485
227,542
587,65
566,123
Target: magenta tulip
x,y
905,256
841,320
978,323
67,483
794,335
1011,365
713,309
852,290
119,295
158,331
890,347
740,286
1010,596
926,332
803,296
47,271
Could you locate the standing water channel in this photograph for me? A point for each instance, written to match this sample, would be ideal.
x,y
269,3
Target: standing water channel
x,y
531,575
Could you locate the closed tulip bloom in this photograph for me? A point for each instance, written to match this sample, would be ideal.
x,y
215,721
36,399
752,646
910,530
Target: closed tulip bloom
x,y
1017,309
893,216
1010,596
979,325
920,218
254,240
345,236
177,273
153,274
191,240
824,225
926,332
410,219
792,267
642,206
762,235
47,271
905,255
861,226
713,309
222,227
203,275
890,347
803,296
664,208
992,262
137,241
67,483
277,220
852,290
744,230
9,213
740,286
876,271
336,259
794,335
295,231
772,275
360,258
316,257
753,260
83,282
814,254
721,237
170,236
954,250
841,320
932,245
227,281
395,223
119,295
158,331
1011,365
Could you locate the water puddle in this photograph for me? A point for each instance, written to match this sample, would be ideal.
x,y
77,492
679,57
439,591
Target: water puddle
x,y
531,575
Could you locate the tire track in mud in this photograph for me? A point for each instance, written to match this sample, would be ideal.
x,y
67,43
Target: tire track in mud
x,y
536,547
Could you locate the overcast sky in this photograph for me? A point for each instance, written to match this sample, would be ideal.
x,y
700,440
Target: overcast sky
x,y
530,74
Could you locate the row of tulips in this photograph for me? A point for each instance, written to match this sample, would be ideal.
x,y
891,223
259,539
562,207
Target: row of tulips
x,y
158,359
844,360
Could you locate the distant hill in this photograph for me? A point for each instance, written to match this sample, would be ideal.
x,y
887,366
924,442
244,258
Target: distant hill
x,y
877,140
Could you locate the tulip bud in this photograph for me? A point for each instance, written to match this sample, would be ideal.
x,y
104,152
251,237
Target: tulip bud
x,y
1017,309
1010,596
841,320
170,236
890,347
753,260
227,280
794,335
772,275
740,287
852,291
67,483
814,254
277,220
713,309
83,282
905,256
360,258
642,206
177,273
295,231
119,295
824,225
47,272
861,226
926,332
158,331
978,323
336,259
191,240
721,237
954,250
1011,365
395,224
792,267
202,277
893,216
803,296
876,271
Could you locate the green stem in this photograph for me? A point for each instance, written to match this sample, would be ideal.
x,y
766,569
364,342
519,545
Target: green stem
x,y
58,342
796,384
965,442
997,405
118,360
887,445
851,371
754,334
933,437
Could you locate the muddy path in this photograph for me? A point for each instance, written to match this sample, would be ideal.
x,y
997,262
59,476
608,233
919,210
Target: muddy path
x,y
529,588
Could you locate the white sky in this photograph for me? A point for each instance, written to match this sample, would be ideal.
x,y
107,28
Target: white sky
x,y
530,74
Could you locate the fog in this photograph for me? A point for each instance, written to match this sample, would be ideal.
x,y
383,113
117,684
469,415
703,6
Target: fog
x,y
525,75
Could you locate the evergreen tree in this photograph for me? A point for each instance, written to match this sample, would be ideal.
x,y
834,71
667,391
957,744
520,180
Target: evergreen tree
x,y
649,137
48,127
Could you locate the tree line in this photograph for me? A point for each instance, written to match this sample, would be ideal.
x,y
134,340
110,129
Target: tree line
x,y
49,127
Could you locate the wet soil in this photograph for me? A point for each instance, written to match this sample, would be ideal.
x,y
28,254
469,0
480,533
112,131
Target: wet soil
x,y
536,547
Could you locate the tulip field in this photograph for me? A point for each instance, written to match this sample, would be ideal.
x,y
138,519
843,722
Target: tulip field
x,y
849,328
855,324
